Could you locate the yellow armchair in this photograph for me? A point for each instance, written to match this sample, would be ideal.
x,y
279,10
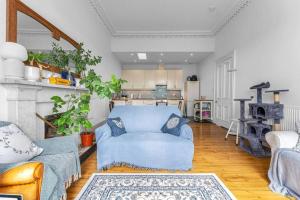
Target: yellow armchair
x,y
25,179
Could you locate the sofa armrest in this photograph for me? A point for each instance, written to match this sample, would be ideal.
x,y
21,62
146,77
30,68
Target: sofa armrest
x,y
58,145
281,139
22,174
186,132
102,133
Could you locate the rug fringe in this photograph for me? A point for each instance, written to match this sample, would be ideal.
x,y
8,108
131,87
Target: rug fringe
x,y
125,164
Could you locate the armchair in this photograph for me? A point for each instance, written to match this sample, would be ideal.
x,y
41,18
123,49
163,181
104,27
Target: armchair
x,y
58,165
284,171
25,179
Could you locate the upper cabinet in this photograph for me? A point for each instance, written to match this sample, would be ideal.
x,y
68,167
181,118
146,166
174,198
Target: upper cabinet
x,y
161,77
138,79
179,79
147,79
171,79
150,79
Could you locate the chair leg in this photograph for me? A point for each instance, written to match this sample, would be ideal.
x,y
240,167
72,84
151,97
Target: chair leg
x,y
237,133
231,124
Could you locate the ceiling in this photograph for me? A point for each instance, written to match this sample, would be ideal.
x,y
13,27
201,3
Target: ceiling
x,y
164,17
161,58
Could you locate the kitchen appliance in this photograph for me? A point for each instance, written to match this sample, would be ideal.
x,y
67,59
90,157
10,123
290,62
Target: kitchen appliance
x,y
191,93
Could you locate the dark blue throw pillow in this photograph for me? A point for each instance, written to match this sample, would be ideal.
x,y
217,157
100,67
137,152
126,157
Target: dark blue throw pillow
x,y
173,125
117,126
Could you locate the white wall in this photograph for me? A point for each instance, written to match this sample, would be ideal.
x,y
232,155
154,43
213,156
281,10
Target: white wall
x,y
266,37
78,19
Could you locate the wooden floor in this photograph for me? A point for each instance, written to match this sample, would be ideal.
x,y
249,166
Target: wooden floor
x,y
244,175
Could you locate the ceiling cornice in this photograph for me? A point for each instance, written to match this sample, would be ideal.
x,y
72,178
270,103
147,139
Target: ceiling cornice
x,y
234,12
205,33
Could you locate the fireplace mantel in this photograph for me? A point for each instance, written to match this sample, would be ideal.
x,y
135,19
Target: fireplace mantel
x,y
23,99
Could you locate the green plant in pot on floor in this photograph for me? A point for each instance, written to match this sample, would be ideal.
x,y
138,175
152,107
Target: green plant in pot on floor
x,y
74,109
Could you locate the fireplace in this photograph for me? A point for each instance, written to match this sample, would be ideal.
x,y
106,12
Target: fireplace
x,y
50,131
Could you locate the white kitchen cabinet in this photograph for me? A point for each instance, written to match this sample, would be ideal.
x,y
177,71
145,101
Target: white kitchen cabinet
x,y
138,79
126,75
171,79
179,79
161,77
150,79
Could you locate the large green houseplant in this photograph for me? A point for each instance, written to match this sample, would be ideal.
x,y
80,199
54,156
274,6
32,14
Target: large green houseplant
x,y
73,108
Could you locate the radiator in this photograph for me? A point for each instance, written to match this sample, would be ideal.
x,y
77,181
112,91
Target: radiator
x,y
291,115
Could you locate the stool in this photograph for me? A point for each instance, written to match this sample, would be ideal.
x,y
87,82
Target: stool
x,y
233,133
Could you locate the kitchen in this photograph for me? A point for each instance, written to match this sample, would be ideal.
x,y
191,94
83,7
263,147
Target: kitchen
x,y
153,87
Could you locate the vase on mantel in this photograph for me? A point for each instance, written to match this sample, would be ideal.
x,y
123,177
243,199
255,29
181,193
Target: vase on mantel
x,y
32,73
13,55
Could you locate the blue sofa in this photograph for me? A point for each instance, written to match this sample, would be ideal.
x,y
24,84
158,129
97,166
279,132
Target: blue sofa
x,y
61,165
144,145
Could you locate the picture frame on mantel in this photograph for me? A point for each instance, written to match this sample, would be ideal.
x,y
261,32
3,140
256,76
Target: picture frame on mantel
x,y
15,6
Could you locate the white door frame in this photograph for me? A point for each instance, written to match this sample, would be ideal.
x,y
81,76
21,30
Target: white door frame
x,y
231,55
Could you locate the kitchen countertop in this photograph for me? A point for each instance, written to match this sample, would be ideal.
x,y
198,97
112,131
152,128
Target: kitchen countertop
x,y
128,99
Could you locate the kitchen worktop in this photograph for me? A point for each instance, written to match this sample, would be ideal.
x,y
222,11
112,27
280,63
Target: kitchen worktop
x,y
129,99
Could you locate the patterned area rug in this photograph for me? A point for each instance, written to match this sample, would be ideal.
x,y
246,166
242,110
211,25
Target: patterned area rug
x,y
154,187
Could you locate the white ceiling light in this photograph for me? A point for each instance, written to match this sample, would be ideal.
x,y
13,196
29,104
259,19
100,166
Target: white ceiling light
x,y
142,56
161,54
191,54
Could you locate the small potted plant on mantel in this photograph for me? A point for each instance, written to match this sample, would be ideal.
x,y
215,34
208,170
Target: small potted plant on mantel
x,y
74,109
33,73
59,58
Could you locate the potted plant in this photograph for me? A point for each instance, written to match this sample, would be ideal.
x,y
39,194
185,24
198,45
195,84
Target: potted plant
x,y
74,119
82,58
74,109
33,73
60,58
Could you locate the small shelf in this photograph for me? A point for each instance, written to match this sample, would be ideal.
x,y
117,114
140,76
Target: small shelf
x,y
203,110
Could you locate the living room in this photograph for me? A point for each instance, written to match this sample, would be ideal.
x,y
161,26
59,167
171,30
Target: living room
x,y
149,99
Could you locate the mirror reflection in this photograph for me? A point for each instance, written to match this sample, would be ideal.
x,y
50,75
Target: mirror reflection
x,y
38,39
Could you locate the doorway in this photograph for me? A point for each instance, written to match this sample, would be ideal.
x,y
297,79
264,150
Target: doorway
x,y
224,90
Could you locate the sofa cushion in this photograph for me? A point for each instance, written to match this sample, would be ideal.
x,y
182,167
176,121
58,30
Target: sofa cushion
x,y
117,126
173,125
15,146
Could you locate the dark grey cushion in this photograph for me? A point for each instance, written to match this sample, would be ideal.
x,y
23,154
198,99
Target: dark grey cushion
x,y
173,125
117,126
3,123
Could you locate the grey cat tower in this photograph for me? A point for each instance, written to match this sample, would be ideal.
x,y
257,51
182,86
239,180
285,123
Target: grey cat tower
x,y
253,130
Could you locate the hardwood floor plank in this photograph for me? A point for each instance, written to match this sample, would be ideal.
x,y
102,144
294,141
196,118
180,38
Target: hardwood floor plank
x,y
243,174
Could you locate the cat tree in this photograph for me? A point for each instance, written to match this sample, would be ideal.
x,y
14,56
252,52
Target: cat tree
x,y
253,130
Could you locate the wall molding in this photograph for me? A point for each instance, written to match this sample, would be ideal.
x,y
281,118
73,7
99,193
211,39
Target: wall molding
x,y
234,12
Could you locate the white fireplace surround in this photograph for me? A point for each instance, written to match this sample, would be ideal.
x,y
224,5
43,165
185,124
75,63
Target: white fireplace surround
x,y
20,100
